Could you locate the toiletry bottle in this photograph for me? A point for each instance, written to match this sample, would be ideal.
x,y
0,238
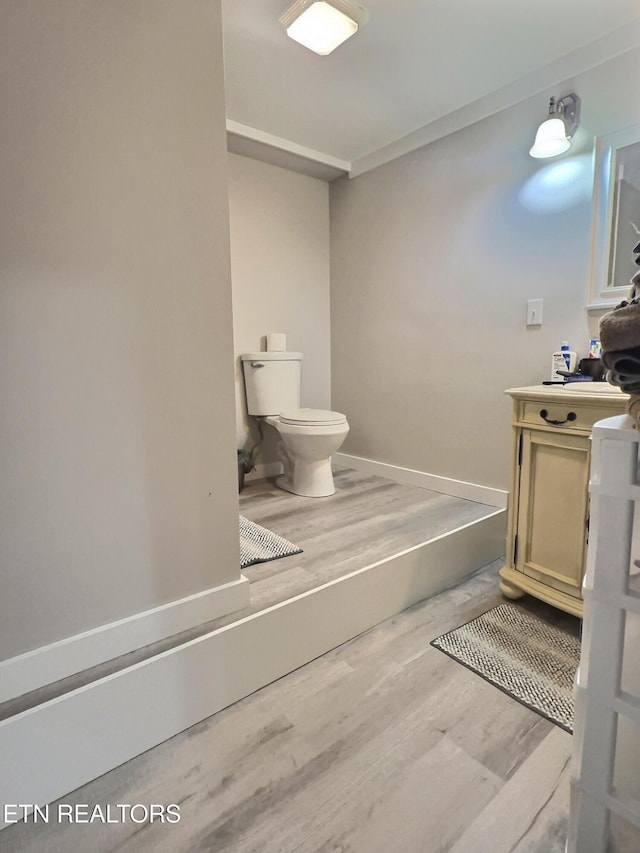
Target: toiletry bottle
x,y
563,359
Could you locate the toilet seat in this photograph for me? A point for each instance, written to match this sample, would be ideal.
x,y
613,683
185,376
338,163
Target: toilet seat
x,y
312,417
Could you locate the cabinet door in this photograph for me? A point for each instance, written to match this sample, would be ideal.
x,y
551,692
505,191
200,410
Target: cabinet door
x,y
553,509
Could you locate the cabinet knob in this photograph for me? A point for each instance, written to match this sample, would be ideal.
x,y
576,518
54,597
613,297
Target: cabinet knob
x,y
544,414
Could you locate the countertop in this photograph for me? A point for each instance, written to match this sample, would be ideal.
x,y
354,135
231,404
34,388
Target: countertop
x,y
573,391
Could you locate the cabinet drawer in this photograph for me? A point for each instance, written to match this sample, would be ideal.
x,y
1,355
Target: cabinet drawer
x,y
568,416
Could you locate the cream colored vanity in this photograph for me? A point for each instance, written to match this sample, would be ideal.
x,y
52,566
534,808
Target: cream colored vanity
x,y
548,518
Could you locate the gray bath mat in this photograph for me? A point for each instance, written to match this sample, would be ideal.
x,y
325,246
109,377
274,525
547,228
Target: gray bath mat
x,y
531,661
259,545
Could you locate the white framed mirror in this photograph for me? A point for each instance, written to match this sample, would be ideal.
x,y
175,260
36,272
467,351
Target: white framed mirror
x,y
615,228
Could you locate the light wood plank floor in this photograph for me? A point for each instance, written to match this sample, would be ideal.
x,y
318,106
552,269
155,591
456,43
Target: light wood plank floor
x,y
383,745
368,519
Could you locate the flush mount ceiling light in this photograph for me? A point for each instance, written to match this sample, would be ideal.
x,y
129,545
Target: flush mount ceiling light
x,y
322,25
554,134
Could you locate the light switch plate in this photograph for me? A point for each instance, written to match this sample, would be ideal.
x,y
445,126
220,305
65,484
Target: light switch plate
x,y
534,312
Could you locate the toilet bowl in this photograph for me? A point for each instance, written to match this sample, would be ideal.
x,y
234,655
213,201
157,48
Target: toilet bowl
x,y
308,438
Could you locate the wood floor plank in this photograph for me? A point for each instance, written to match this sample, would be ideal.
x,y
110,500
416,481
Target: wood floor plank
x,y
368,519
529,812
384,744
499,734
409,804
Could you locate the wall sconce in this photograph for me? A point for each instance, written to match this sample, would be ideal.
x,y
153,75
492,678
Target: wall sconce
x,y
322,25
558,128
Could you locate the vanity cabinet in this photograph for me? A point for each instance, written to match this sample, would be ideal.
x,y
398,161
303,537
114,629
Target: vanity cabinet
x,y
548,517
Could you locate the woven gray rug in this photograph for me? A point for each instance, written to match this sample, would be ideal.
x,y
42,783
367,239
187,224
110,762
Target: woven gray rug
x,y
259,545
527,659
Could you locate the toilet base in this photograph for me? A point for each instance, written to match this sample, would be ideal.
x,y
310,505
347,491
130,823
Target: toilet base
x,y
309,479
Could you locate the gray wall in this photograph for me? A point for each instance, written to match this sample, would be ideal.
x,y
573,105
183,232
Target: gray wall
x,y
118,481
280,268
433,258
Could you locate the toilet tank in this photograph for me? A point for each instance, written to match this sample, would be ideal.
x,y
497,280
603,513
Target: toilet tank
x,y
271,381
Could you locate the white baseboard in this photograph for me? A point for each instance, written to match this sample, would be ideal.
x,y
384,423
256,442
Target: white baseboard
x,y
445,485
34,669
55,747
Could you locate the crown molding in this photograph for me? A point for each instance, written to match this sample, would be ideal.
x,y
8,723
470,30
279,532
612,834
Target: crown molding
x,y
602,50
252,142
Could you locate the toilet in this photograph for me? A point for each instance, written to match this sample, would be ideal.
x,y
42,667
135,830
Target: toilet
x,y
308,437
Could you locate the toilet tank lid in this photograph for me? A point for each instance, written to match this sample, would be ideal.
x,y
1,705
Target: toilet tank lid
x,y
271,356
312,417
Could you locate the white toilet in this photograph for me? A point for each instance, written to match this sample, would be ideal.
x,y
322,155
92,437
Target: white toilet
x,y
308,437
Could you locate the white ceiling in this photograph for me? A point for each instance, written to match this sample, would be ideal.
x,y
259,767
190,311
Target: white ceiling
x,y
412,66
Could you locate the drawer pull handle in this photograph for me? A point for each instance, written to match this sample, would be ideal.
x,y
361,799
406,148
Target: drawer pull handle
x,y
544,414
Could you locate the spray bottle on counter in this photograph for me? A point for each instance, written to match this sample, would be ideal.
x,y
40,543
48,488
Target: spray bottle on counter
x,y
563,359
